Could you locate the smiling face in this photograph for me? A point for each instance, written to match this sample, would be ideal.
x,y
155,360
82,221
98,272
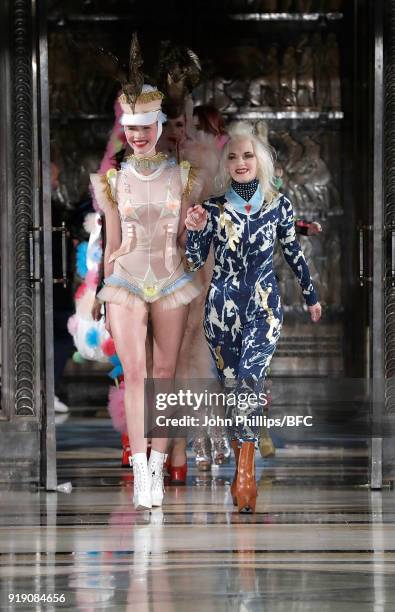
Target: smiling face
x,y
241,162
142,138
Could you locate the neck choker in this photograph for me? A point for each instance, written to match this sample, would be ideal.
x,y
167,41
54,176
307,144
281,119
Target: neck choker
x,y
245,190
146,162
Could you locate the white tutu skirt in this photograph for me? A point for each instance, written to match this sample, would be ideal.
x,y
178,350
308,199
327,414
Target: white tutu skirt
x,y
123,297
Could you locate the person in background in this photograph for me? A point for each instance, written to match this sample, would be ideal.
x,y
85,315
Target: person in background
x,y
187,140
208,119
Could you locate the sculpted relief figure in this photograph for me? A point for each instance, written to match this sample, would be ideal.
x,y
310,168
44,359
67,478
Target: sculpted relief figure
x,y
332,66
288,82
265,88
63,81
307,177
306,87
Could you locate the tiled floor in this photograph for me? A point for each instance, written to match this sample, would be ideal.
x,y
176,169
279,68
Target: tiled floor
x,y
320,539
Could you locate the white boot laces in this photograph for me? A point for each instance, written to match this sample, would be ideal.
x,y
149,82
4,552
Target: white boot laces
x,y
140,477
157,475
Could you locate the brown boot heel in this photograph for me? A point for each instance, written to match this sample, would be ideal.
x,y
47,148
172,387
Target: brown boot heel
x,y
233,487
246,503
246,490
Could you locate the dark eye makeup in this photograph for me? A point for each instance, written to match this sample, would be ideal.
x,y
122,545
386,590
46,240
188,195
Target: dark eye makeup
x,y
246,155
135,128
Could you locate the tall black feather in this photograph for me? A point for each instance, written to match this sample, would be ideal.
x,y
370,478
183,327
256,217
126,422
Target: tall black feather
x,y
111,66
132,89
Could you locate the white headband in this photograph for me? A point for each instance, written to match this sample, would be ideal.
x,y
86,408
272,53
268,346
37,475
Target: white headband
x,y
143,118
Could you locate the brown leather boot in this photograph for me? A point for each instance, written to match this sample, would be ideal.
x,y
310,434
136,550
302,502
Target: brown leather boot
x,y
246,490
235,445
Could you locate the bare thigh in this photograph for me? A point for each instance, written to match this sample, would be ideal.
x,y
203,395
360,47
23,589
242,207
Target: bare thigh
x,y
129,330
168,331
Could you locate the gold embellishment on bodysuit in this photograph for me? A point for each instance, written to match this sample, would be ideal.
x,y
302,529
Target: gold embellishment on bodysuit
x,y
105,179
150,291
146,162
230,228
218,358
192,176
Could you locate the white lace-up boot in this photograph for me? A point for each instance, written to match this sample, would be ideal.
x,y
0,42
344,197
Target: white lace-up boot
x,y
155,468
142,482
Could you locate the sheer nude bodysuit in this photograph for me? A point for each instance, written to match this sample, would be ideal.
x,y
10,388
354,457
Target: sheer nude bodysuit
x,y
148,265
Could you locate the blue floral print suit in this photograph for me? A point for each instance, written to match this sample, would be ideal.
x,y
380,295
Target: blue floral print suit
x,y
243,313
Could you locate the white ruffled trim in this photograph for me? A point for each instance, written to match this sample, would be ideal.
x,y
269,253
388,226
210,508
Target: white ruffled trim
x,y
120,296
181,296
123,297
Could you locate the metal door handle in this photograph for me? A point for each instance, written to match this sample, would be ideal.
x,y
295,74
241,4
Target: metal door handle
x,y
32,231
362,276
63,230
361,258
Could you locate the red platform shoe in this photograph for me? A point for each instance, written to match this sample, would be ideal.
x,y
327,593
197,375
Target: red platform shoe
x,y
126,452
178,473
175,474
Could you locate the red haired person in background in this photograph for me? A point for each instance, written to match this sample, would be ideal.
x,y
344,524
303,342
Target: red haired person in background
x,y
208,119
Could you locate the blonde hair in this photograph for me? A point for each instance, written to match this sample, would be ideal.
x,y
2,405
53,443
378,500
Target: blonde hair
x,y
265,166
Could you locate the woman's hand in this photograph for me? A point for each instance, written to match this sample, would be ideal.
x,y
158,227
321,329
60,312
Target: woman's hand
x,y
107,323
314,228
96,313
96,310
315,312
196,218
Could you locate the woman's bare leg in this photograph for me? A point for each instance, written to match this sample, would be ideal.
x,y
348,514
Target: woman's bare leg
x,y
168,331
129,330
178,452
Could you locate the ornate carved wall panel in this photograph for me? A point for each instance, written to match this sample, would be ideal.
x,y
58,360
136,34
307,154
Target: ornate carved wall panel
x,y
22,123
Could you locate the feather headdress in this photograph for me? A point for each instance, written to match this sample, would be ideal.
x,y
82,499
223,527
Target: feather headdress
x,y
178,72
131,77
